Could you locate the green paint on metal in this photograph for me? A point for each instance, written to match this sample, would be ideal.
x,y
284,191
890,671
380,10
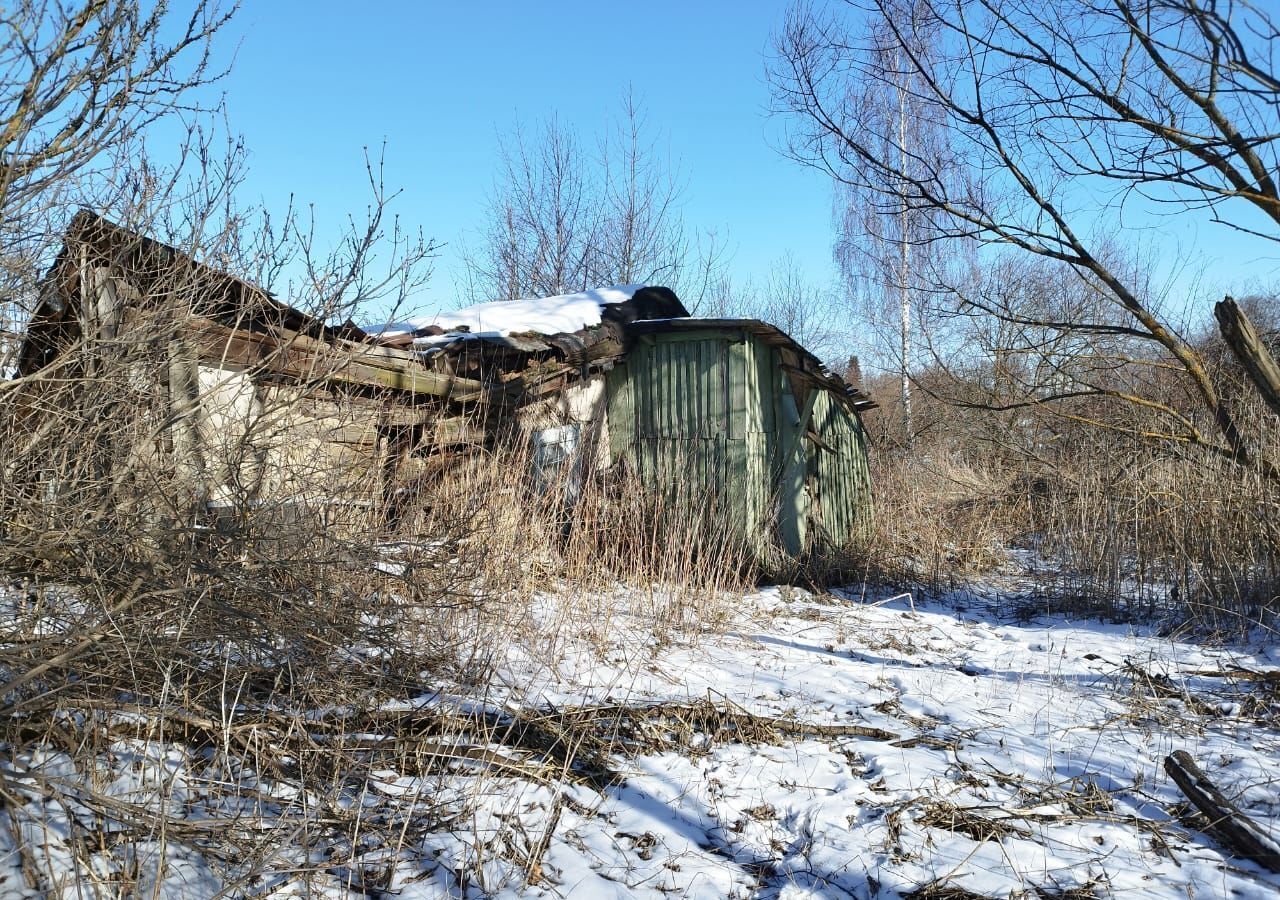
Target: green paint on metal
x,y
709,414
794,495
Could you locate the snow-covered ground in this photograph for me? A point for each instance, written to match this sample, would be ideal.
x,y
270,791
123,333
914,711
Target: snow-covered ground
x,y
907,749
1029,759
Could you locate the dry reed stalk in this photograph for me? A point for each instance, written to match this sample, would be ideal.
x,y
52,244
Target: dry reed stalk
x,y
238,628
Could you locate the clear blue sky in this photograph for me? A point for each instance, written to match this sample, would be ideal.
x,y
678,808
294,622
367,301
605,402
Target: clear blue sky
x,y
315,83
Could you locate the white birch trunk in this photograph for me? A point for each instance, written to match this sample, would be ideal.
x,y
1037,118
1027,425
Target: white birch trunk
x,y
904,246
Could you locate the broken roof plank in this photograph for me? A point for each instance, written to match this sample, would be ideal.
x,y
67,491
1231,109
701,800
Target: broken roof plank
x,y
299,356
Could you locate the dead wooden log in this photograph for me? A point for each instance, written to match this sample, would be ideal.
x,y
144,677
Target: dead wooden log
x,y
1248,347
1230,827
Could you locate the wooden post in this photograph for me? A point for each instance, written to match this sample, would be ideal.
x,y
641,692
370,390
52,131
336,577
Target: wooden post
x,y
1247,345
184,406
794,505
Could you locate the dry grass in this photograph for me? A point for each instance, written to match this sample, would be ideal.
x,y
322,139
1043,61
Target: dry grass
x,y
941,518
1191,538
1118,527
585,536
252,668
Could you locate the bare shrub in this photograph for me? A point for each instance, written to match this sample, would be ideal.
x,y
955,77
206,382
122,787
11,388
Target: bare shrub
x,y
155,596
1112,523
1164,538
942,520
196,594
587,533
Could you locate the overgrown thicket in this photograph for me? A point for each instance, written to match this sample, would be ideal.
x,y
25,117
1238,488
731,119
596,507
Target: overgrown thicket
x,y
223,667
999,168
283,687
276,634
139,625
209,615
583,528
1110,519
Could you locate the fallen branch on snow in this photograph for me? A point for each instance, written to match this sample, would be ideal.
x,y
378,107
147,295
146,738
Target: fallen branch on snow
x,y
1232,828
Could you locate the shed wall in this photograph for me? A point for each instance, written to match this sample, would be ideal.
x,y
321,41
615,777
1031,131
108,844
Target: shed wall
x,y
713,415
840,473
276,445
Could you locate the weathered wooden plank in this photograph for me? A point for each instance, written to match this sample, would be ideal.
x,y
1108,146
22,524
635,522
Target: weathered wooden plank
x,y
709,392
740,488
306,358
689,336
792,466
456,430
622,416
736,366
795,432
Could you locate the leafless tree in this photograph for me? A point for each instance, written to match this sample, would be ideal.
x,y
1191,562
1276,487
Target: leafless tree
x,y
642,235
543,219
1056,115
879,231
563,219
80,82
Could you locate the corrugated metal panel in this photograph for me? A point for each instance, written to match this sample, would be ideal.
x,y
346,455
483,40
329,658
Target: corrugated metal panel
x,y
842,510
710,414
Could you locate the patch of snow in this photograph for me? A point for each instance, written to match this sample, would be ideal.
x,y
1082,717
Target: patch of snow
x,y
1046,728
545,315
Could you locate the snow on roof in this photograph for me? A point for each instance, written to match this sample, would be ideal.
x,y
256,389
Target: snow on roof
x,y
547,315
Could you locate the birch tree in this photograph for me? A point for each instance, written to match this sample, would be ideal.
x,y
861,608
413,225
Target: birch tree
x,y
882,240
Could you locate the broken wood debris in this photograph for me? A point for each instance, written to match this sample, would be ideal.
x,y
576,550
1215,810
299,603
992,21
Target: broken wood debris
x,y
1227,824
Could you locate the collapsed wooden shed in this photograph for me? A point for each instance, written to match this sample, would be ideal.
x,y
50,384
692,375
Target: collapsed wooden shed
x,y
268,405
255,405
729,413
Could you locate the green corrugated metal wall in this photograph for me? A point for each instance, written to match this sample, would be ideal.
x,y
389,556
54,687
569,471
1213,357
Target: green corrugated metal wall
x,y
841,474
712,413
